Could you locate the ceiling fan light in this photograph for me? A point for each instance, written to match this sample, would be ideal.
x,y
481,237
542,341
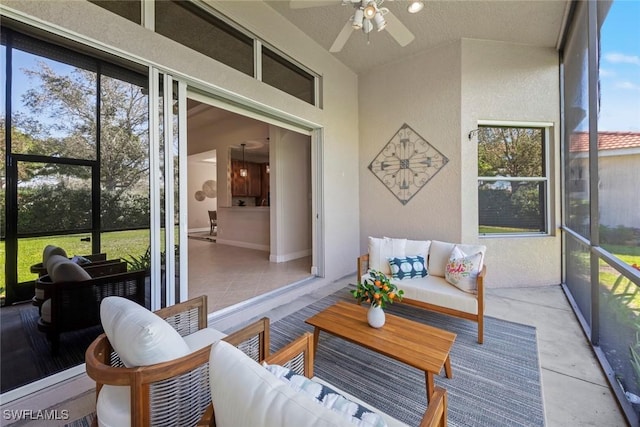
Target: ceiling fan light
x,y
370,10
415,6
357,19
381,23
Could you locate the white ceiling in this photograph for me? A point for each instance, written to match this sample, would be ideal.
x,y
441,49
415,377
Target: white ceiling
x,y
531,22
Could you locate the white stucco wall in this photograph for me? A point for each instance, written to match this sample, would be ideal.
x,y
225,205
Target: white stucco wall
x,y
338,119
442,94
197,173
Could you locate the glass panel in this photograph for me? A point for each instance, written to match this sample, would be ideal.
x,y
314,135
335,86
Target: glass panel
x,y
618,129
510,152
176,191
195,28
511,207
43,90
30,251
286,76
129,245
576,149
620,326
129,9
124,155
53,197
165,97
579,275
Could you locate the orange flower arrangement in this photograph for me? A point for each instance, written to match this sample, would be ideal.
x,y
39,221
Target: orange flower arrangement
x,y
377,290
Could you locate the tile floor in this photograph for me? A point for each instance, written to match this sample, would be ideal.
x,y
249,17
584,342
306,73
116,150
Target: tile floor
x,y
229,275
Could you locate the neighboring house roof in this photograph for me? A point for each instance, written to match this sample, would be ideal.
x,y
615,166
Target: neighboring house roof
x,y
606,141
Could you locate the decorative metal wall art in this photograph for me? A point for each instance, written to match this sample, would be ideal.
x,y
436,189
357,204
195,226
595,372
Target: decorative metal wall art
x,y
407,163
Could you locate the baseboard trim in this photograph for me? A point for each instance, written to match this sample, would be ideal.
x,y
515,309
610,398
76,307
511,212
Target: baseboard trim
x,y
289,256
245,245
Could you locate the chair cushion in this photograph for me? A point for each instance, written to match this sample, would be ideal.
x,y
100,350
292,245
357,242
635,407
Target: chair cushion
x,y
114,406
68,271
324,395
245,394
52,261
408,267
50,250
140,337
380,250
437,291
45,311
462,270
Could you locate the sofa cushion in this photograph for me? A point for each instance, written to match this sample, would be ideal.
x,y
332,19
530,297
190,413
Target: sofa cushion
x,y
245,394
324,395
439,253
140,337
68,271
417,247
407,267
45,311
380,250
462,270
437,291
114,406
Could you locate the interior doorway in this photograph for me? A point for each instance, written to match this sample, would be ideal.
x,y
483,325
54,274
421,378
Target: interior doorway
x,y
262,240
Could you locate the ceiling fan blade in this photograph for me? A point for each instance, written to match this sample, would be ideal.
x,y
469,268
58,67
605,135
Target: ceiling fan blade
x,y
342,38
304,4
397,30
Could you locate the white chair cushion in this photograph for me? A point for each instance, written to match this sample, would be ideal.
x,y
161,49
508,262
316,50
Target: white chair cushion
x,y
68,271
380,250
113,407
203,338
140,337
51,250
45,311
245,394
53,261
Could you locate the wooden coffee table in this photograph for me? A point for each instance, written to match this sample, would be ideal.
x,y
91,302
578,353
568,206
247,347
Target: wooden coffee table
x,y
420,346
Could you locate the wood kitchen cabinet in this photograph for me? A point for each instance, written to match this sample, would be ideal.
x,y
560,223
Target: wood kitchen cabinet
x,y
249,186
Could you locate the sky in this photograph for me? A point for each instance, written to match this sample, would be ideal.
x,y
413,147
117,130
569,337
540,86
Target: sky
x,y
620,68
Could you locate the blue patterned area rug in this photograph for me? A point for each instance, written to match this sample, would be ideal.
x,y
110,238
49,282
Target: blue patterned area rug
x,y
497,383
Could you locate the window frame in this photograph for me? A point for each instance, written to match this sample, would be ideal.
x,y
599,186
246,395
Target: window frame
x,y
547,132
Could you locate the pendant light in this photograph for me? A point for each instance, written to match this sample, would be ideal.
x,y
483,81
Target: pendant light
x,y
243,170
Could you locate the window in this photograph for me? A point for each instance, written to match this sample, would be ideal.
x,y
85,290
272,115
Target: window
x,y
512,180
286,76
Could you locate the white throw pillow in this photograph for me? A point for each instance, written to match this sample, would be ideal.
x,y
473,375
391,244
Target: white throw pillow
x,y
417,247
439,253
380,250
140,337
462,270
52,261
245,394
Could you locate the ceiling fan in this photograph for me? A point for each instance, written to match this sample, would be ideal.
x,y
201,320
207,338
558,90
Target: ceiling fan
x,y
368,14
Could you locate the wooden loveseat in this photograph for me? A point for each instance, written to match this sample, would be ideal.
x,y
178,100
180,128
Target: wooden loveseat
x,y
436,290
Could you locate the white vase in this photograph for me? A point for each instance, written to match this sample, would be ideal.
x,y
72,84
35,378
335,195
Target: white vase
x,y
375,316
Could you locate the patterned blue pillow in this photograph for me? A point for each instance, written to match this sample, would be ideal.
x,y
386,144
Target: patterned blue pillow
x,y
408,267
327,397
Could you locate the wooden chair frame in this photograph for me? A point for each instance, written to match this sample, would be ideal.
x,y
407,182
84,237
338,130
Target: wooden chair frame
x,y
363,267
103,364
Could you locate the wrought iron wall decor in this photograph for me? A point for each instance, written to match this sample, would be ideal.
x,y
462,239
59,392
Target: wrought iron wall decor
x,y
407,163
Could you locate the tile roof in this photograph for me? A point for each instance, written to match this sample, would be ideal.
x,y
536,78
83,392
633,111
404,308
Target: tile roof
x,y
606,141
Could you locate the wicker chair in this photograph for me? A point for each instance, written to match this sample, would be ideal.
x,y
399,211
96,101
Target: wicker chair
x,y
76,305
173,393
